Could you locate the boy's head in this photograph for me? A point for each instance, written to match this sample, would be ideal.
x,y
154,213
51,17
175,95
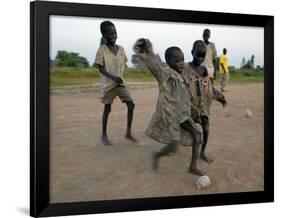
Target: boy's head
x,y
175,58
206,35
224,51
108,31
198,52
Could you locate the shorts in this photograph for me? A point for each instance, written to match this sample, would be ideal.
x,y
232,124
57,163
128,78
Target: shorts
x,y
120,91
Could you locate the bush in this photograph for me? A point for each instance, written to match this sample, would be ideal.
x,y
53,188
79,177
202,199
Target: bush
x,y
247,75
137,73
74,72
70,59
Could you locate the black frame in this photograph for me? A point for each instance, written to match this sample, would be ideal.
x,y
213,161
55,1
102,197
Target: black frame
x,y
39,108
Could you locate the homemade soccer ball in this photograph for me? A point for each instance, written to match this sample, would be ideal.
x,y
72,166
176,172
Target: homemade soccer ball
x,y
203,182
248,113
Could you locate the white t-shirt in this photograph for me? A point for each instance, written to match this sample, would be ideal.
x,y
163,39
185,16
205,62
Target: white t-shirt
x,y
211,54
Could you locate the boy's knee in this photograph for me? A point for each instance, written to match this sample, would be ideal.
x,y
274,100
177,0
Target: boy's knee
x,y
130,105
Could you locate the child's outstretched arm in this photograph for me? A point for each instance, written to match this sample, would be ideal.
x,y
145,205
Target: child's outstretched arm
x,y
116,79
219,96
143,48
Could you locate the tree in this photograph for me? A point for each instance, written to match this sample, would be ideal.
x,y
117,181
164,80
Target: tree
x,y
249,64
252,61
243,63
70,59
259,68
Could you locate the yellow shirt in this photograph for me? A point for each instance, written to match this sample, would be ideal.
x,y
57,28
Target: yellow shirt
x,y
224,62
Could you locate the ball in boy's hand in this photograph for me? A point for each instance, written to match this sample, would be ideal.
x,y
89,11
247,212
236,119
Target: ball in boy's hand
x,y
203,182
248,113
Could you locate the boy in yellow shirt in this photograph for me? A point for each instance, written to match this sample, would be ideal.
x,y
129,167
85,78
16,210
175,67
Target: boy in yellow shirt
x,y
223,69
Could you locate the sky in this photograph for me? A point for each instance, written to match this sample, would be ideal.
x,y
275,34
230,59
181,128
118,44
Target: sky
x,y
82,35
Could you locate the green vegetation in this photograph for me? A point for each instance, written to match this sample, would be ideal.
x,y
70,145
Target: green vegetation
x,y
69,68
69,59
245,75
61,76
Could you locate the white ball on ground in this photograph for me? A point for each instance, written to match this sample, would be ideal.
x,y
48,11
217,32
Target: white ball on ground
x,y
203,182
248,113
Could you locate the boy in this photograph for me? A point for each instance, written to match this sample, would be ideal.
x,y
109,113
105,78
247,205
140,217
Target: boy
x,y
201,91
171,123
223,69
111,60
211,54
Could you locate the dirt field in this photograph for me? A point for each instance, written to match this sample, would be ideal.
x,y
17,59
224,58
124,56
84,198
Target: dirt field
x,y
82,169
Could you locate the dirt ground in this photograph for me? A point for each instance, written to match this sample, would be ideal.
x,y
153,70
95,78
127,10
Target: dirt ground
x,y
82,169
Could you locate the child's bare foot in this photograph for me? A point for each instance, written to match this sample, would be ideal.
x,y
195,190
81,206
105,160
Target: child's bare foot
x,y
196,171
155,160
130,137
206,158
105,140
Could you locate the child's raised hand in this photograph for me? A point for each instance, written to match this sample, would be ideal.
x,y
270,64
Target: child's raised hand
x,y
142,46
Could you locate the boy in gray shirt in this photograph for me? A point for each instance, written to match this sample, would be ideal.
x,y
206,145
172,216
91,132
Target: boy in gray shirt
x,y
171,124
